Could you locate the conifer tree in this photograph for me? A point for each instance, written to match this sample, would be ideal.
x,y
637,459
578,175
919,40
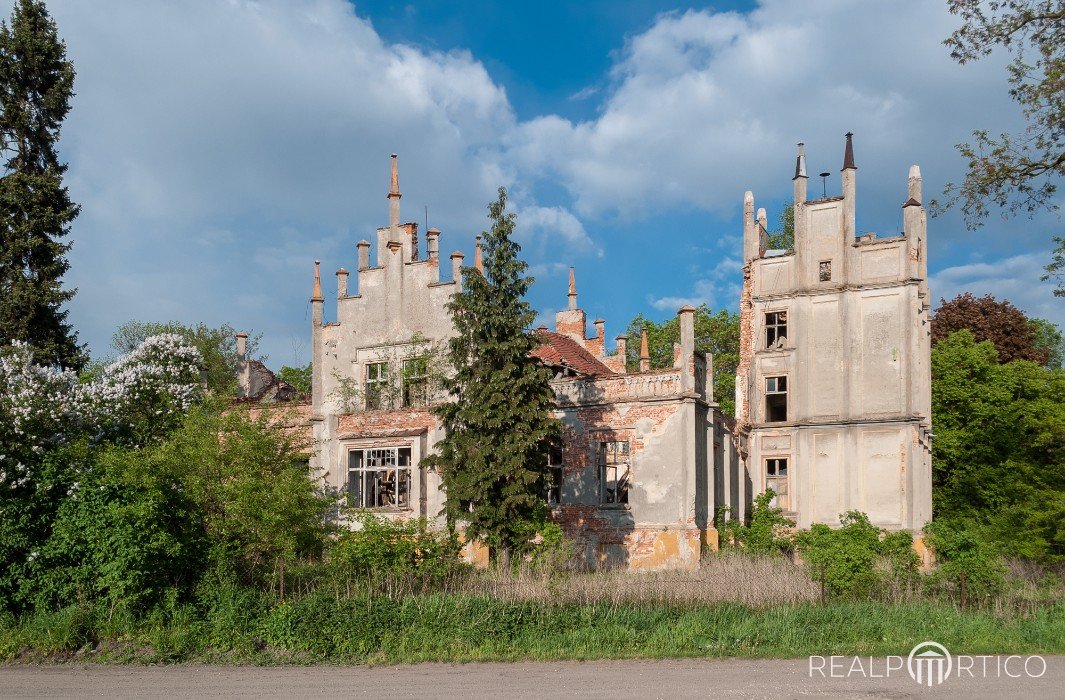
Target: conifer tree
x,y
499,426
36,84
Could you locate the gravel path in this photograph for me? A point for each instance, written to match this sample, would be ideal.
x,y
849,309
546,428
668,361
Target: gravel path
x,y
598,679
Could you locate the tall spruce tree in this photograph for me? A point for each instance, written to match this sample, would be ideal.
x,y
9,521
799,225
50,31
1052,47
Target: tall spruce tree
x,y
36,84
499,426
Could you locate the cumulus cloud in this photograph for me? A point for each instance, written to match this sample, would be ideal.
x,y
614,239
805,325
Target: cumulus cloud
x,y
706,105
217,152
720,288
1011,279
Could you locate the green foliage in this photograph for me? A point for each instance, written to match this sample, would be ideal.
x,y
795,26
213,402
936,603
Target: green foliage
x,y
717,334
1017,172
493,459
298,377
381,548
1049,339
217,346
768,532
961,551
784,239
131,526
36,84
856,557
999,452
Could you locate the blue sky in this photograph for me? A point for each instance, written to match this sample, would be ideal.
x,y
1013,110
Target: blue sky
x,y
218,152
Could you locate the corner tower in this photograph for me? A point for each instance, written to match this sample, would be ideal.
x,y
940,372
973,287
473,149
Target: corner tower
x,y
833,387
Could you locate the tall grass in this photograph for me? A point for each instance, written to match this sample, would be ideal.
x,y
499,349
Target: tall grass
x,y
734,605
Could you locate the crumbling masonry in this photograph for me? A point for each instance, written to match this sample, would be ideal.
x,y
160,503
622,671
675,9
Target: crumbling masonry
x,y
832,393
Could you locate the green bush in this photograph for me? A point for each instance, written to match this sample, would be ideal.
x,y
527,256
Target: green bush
x,y
384,552
769,531
857,557
963,553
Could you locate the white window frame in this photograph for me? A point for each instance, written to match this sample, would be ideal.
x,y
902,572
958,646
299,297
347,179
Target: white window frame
x,y
378,479
773,388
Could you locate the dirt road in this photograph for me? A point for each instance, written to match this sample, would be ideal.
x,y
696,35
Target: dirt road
x,y
598,679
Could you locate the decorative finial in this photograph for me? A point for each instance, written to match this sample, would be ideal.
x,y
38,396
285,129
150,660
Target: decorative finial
x,y
317,295
800,162
645,354
572,293
478,259
848,154
394,189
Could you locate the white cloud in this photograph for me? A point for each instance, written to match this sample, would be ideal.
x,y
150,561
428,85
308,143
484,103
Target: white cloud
x,y
1013,279
544,227
721,288
706,105
217,152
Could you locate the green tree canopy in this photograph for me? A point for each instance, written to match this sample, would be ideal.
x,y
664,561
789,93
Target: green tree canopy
x,y
717,333
499,422
36,84
999,451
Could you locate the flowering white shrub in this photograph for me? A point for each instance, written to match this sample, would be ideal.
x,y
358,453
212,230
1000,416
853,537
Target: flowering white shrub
x,y
135,399
38,410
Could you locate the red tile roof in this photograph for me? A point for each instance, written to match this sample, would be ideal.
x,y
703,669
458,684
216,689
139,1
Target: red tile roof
x,y
561,351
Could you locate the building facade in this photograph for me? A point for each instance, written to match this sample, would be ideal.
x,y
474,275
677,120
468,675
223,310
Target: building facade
x,y
834,390
833,393
633,480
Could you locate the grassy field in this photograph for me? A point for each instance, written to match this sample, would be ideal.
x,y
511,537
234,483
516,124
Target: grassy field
x,y
756,610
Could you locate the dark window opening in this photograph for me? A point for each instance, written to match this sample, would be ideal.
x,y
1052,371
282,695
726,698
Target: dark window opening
x,y
776,399
416,382
776,329
824,271
614,472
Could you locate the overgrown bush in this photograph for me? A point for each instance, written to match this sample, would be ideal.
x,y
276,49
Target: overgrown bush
x,y
963,554
858,556
769,531
393,555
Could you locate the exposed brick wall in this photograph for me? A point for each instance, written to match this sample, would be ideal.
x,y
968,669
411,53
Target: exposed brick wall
x,y
384,423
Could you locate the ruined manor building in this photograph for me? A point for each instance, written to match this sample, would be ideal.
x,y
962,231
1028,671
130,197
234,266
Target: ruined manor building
x,y
833,390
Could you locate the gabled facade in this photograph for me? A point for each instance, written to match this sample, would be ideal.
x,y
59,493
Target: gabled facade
x,y
633,481
833,390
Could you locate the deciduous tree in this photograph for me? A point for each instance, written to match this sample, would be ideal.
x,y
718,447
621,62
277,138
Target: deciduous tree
x,y
1017,172
715,333
1009,330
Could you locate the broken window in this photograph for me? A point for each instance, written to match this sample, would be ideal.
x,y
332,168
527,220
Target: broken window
x,y
776,478
416,382
377,396
776,329
824,271
776,399
554,475
614,472
379,478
